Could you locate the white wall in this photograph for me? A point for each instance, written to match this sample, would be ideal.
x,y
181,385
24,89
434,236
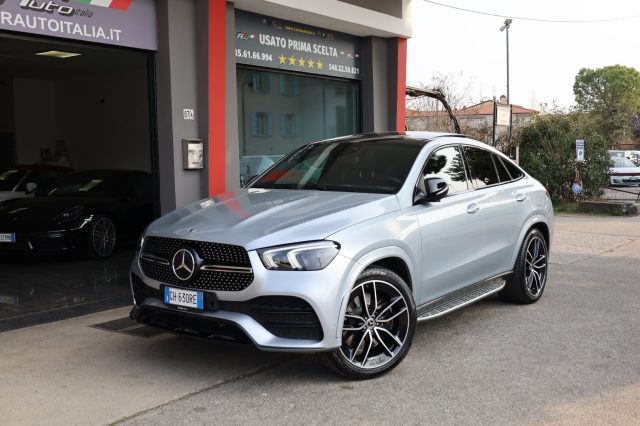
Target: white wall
x,y
6,104
102,117
34,106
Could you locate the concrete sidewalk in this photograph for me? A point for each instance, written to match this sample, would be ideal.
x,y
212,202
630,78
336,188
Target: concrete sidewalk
x,y
69,372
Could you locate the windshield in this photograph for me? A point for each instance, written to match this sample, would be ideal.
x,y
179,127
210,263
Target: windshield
x,y
9,178
83,184
622,162
379,166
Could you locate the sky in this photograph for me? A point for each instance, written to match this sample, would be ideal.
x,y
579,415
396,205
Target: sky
x,y
544,58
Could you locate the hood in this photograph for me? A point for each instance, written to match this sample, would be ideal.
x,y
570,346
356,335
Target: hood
x,y
36,214
256,218
10,195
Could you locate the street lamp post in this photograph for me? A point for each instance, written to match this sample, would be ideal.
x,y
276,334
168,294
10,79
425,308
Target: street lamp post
x,y
507,24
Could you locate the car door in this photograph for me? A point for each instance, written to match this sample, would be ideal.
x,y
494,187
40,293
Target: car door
x,y
503,206
450,229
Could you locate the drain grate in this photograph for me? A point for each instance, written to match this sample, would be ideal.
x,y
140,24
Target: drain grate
x,y
128,326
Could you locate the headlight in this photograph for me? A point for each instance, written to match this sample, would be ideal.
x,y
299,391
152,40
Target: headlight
x,y
69,215
300,257
140,242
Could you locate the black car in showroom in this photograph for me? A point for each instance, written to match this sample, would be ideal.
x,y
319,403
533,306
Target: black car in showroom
x,y
84,212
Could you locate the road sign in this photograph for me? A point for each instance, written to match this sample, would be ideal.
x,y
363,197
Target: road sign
x,y
580,150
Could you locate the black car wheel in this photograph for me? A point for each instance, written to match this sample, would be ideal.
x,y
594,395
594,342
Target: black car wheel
x,y
102,237
529,277
378,325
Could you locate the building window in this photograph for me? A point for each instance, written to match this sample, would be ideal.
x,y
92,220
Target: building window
x,y
261,124
261,82
289,125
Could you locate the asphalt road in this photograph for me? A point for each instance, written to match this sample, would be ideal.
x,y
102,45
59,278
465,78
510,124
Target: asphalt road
x,y
571,358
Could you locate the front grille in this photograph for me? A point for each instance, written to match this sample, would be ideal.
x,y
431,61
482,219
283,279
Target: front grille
x,y
160,252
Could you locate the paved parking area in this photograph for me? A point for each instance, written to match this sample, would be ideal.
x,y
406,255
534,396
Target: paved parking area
x,y
572,358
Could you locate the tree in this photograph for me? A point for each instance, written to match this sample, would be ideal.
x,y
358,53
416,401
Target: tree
x,y
438,119
612,96
547,152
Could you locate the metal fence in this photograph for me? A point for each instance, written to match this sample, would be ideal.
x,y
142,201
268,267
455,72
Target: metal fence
x,y
622,193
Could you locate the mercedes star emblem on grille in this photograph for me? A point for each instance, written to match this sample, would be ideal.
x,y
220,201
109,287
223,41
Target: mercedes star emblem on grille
x,y
183,264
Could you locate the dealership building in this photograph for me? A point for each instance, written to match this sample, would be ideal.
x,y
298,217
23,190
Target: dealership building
x,y
202,94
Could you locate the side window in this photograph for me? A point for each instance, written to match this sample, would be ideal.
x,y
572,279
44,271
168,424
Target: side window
x,y
483,172
503,174
446,163
514,170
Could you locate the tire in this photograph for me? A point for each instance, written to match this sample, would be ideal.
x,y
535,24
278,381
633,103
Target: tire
x,y
384,324
101,237
530,271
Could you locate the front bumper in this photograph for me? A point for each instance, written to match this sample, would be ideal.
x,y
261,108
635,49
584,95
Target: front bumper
x,y
279,311
45,242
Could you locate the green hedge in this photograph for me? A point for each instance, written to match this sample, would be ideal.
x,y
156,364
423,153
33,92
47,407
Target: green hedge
x,y
547,152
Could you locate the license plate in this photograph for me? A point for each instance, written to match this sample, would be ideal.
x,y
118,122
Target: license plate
x,y
186,298
7,238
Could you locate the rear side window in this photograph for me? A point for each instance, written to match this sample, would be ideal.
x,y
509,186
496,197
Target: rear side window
x,y
503,173
514,170
483,172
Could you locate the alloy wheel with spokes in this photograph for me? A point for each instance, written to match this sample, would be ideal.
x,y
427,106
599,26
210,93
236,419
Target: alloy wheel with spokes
x,y
536,265
378,325
102,237
527,282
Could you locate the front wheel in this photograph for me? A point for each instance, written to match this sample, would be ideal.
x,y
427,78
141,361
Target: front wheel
x,y
378,325
102,237
529,277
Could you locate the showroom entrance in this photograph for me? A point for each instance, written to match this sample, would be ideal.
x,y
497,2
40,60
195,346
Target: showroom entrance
x,y
77,175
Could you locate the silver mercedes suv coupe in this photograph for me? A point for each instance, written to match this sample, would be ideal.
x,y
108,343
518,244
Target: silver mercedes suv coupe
x,y
345,244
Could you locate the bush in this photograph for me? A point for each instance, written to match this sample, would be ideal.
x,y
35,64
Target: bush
x,y
547,152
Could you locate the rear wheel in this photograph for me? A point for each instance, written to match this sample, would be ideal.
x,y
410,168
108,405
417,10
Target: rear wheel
x,y
378,325
101,237
529,277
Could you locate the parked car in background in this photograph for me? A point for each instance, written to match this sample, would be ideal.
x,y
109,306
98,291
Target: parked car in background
x,y
624,172
344,245
24,181
83,212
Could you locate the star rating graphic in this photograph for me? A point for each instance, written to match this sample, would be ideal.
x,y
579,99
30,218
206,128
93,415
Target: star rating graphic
x,y
300,62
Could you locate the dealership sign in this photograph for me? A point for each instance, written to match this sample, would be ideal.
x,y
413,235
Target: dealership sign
x,y
130,23
275,43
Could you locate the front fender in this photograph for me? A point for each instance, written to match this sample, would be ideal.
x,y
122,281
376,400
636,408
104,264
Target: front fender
x,y
363,263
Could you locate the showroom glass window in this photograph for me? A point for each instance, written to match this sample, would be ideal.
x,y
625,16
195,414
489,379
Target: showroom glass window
x,y
279,112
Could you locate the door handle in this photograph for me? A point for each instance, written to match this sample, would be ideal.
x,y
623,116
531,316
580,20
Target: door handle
x,y
521,197
472,208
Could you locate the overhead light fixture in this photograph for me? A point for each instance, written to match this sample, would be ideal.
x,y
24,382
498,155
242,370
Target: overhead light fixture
x,y
58,54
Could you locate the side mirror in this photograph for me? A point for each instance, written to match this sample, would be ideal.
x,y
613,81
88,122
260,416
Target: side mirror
x,y
31,187
437,188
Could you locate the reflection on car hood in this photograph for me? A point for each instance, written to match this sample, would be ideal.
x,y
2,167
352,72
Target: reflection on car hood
x,y
9,195
35,214
256,218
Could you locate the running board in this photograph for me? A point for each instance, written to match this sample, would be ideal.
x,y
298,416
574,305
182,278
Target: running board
x,y
460,298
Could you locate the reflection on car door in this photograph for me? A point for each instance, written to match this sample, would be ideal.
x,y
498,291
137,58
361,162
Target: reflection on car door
x,y
450,229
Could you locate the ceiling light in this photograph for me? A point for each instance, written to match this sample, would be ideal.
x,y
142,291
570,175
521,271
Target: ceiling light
x,y
58,54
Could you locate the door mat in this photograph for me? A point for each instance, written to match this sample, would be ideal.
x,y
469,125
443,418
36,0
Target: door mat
x,y
128,326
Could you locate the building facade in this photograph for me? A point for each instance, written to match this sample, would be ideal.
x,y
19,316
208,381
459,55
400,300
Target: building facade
x,y
199,94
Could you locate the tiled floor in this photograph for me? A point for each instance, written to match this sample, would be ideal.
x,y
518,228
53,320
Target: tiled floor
x,y
30,285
